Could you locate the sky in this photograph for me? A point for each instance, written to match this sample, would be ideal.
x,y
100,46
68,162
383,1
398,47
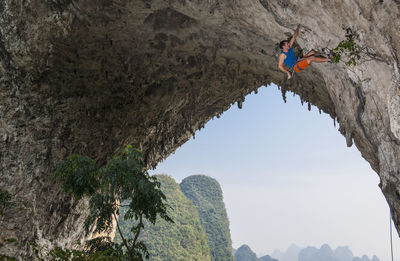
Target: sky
x,y
288,177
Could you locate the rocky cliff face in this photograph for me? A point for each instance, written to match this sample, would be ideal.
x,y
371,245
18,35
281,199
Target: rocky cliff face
x,y
90,75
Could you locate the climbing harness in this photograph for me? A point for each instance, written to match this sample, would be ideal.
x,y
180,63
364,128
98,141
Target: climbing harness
x,y
296,65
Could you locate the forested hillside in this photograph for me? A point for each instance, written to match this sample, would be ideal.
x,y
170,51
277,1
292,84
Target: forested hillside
x,y
206,195
244,253
183,240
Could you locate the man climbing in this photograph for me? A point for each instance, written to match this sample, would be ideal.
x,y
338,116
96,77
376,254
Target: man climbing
x,y
288,57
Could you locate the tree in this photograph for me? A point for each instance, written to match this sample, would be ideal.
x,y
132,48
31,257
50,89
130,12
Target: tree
x,y
124,178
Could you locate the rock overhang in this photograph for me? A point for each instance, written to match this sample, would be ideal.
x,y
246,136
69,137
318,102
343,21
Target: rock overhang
x,y
89,76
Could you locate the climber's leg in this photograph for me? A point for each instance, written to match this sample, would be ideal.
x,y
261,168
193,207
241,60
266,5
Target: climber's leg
x,y
310,53
314,59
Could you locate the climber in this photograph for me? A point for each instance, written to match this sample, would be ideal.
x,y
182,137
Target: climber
x,y
288,57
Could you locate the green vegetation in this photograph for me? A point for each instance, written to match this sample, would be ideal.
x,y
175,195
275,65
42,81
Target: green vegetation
x,y
184,240
206,195
107,253
244,253
78,175
123,178
347,48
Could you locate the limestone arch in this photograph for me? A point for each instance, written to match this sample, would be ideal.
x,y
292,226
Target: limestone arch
x,y
89,76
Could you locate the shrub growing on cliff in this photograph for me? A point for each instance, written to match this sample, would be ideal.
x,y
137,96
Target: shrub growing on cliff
x,y
123,178
347,48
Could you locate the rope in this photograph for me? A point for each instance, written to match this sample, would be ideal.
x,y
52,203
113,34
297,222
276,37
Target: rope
x,y
391,243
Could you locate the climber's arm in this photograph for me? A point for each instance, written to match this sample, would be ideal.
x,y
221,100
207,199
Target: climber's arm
x,y
280,64
296,33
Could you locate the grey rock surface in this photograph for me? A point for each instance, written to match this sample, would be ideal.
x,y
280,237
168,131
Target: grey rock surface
x,y
88,76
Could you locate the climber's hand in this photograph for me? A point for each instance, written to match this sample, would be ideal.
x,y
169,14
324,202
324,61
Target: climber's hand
x,y
289,75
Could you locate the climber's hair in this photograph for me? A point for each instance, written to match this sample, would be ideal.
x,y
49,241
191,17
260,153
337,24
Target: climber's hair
x,y
281,44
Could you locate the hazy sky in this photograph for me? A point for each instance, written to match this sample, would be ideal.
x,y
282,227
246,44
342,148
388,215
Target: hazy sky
x,y
288,177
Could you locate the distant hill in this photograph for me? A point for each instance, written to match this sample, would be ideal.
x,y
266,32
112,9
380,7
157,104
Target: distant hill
x,y
365,258
291,254
244,253
183,240
206,195
325,253
343,254
267,258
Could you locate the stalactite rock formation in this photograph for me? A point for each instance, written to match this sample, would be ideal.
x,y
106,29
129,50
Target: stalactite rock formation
x,y
87,76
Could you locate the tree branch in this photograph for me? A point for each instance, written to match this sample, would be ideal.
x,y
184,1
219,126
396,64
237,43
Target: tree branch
x,y
139,227
122,236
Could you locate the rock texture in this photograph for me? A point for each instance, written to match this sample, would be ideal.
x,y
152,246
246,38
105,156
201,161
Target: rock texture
x,y
88,76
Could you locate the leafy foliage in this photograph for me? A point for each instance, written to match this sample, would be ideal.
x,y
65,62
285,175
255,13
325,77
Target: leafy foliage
x,y
183,240
123,178
100,251
78,175
347,48
206,195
